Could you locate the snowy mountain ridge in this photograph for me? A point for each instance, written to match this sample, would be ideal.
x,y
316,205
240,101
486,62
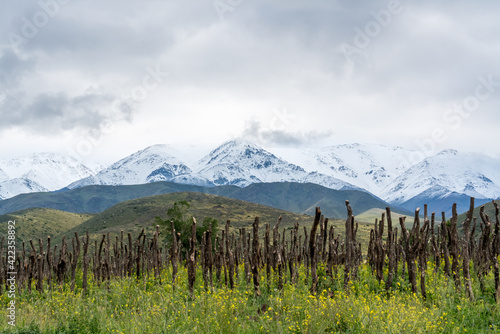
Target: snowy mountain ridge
x,y
236,162
470,174
40,172
154,163
378,169
368,166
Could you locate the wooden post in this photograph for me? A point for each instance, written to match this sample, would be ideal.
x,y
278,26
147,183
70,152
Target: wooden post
x,y
156,258
246,256
496,253
100,273
130,261
312,251
306,255
174,255
2,271
192,259
483,253
411,244
255,256
422,253
455,269
137,255
230,257
295,276
277,254
465,251
208,256
85,262
434,244
267,252
76,254
217,261
380,251
391,250
349,252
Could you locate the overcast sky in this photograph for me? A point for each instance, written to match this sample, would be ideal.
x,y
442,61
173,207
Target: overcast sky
x,y
103,79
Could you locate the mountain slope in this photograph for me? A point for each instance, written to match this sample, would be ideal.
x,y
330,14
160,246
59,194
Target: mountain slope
x,y
3,175
13,187
445,178
367,166
133,215
41,222
91,199
304,197
295,197
438,180
489,209
152,164
40,172
241,163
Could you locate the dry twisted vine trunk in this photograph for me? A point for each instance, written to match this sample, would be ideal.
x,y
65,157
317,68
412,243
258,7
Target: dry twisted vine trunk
x,y
312,251
465,251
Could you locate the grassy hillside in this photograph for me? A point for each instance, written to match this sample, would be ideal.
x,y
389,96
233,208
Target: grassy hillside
x,y
304,198
294,197
489,209
132,216
90,199
40,222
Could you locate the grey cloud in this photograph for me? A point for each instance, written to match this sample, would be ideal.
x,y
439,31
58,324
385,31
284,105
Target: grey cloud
x,y
255,132
13,69
111,32
265,53
51,114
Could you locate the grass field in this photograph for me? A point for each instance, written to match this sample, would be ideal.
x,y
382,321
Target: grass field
x,y
41,222
148,306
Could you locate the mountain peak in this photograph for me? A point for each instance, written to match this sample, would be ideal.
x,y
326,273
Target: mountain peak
x,y
234,151
158,149
238,142
467,174
152,164
379,169
241,162
40,172
448,152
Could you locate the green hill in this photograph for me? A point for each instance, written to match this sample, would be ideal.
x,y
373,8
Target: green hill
x,y
489,209
133,215
304,198
41,222
90,199
288,196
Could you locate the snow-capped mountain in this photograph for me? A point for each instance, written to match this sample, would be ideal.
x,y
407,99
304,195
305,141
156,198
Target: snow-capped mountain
x,y
445,173
384,171
367,166
240,162
236,162
14,187
3,176
328,181
155,163
40,172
